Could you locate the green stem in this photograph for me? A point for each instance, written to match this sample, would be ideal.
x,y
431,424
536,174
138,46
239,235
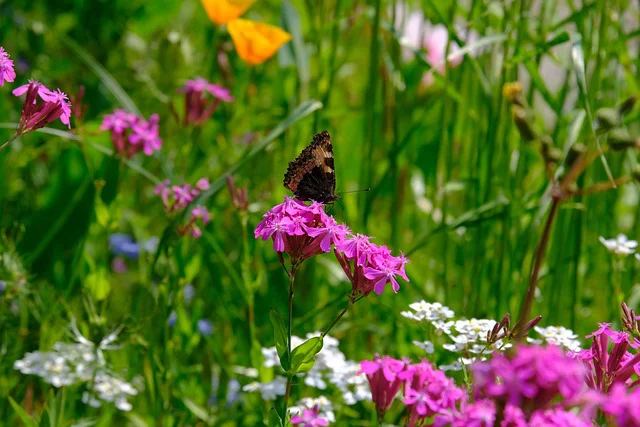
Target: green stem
x,y
9,141
292,279
337,319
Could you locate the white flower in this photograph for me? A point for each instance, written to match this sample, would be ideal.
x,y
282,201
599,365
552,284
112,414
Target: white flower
x,y
560,336
620,245
455,366
247,372
270,390
427,346
271,358
441,327
431,311
113,389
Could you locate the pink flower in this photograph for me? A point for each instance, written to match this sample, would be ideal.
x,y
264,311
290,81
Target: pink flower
x,y
300,230
622,406
7,73
428,391
478,414
36,115
531,379
557,417
384,381
606,368
198,108
176,198
368,266
145,133
199,212
309,418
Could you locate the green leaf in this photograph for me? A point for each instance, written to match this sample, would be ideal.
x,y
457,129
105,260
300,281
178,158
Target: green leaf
x,y
196,409
303,355
291,23
280,335
22,414
274,419
107,79
98,284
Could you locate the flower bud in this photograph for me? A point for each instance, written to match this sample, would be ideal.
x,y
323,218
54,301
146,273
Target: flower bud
x,y
512,91
524,122
619,140
627,105
575,151
607,118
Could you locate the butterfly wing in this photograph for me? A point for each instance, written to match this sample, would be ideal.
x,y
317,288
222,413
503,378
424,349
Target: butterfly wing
x,y
311,176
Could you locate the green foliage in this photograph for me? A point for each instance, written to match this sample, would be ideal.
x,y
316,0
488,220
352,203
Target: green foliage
x,y
453,184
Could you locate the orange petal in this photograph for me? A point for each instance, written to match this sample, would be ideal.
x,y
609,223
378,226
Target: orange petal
x,y
256,42
223,11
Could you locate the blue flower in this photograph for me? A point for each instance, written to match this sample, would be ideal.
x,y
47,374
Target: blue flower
x,y
189,292
123,244
205,327
173,318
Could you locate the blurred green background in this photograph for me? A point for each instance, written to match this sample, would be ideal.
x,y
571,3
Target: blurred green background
x,y
453,183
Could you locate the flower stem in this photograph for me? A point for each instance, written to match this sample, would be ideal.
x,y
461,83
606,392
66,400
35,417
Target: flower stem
x,y
292,279
9,141
337,319
525,311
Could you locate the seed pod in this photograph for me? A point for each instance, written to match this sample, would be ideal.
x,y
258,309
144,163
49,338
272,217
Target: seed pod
x,y
627,105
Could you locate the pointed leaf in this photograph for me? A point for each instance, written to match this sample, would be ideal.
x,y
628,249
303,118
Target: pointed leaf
x,y
280,335
304,354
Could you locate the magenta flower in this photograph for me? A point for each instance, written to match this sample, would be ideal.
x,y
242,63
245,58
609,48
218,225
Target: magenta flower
x,y
36,115
130,133
145,133
7,73
309,418
300,230
176,198
531,379
478,414
368,266
198,107
622,406
606,368
428,391
384,380
557,417
198,213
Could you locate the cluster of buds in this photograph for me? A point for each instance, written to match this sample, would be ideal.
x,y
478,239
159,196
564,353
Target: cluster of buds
x,y
239,196
630,321
176,198
198,107
130,133
503,331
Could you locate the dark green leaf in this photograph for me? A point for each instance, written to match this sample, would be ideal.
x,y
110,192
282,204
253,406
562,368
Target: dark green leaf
x,y
274,419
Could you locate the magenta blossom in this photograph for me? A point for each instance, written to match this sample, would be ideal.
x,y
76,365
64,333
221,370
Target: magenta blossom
x,y
368,266
198,108
608,367
35,114
428,391
299,229
384,381
198,213
309,418
478,414
531,379
7,73
146,134
622,406
177,197
558,417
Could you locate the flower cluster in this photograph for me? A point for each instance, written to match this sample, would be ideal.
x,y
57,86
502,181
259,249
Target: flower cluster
x,y
130,133
620,245
607,367
557,335
324,407
303,230
427,391
41,107
177,198
531,379
197,107
7,73
81,362
310,418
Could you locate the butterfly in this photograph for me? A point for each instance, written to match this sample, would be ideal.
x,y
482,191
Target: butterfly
x,y
311,175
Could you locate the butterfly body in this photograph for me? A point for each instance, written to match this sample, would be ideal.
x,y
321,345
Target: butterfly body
x,y
311,176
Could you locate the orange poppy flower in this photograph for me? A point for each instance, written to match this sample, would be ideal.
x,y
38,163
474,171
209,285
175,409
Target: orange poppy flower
x,y
223,11
256,42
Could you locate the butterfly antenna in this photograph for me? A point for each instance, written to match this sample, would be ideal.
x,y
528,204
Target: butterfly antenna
x,y
355,191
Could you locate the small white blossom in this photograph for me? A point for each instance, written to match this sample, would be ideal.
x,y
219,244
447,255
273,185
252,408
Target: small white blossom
x,y
560,336
454,366
431,311
441,327
270,390
621,245
427,346
247,372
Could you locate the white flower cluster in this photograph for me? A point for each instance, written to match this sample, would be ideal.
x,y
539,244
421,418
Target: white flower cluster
x,y
620,245
557,335
324,405
331,367
469,336
82,362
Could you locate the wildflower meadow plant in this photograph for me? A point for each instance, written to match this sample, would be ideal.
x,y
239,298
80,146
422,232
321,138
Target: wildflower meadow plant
x,y
7,72
177,198
197,107
131,134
